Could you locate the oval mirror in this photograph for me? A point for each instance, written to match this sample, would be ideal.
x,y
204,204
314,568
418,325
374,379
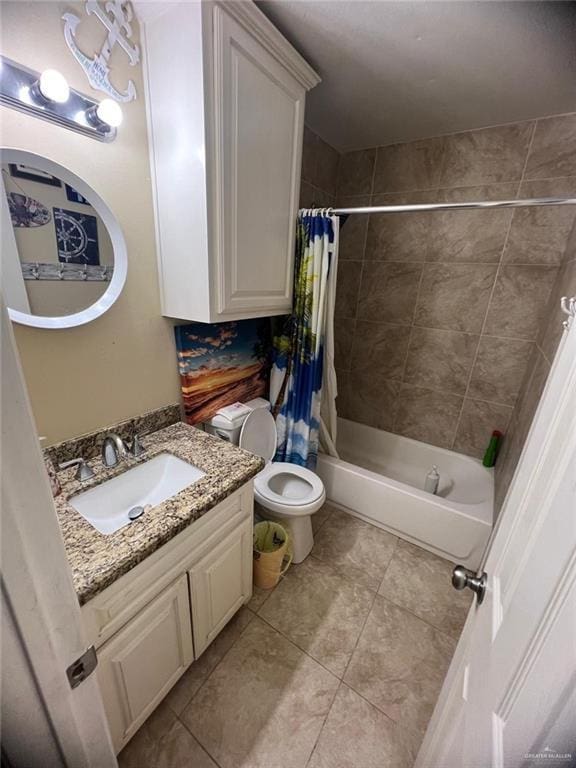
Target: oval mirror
x,y
64,258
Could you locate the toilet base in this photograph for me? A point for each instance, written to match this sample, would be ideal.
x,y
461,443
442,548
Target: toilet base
x,y
300,532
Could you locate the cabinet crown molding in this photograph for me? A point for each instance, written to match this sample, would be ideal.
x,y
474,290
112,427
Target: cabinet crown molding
x,y
246,13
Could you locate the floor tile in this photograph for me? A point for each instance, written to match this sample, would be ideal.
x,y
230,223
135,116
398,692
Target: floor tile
x,y
142,748
176,748
197,673
320,611
264,704
357,735
399,665
322,516
421,582
357,550
259,597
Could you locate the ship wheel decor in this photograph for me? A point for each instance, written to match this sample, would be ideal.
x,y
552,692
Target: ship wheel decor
x,y
76,237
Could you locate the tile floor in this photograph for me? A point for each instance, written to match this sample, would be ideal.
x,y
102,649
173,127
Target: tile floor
x,y
338,667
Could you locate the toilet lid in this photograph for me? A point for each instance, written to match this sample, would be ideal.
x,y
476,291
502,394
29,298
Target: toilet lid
x,y
258,434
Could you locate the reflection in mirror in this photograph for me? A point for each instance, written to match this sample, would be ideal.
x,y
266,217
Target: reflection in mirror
x,y
57,258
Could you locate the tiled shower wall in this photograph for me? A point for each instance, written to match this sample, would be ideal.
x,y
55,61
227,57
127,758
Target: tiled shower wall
x,y
438,314
319,172
536,373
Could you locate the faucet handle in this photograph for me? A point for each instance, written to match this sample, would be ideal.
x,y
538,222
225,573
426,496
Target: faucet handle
x,y
137,449
84,472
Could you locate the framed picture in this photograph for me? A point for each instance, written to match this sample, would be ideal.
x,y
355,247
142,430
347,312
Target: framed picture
x,y
75,197
19,171
221,364
76,237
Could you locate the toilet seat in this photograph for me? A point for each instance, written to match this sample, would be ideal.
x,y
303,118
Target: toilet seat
x,y
280,486
288,484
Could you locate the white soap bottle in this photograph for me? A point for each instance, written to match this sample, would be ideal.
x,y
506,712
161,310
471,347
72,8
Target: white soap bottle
x,y
432,480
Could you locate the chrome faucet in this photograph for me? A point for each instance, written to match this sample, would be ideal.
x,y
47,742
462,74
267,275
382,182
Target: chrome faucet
x,y
84,472
113,450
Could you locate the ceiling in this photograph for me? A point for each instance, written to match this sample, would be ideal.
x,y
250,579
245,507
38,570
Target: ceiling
x,y
398,71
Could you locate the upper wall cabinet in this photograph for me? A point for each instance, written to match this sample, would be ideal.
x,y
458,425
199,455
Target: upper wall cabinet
x,y
225,94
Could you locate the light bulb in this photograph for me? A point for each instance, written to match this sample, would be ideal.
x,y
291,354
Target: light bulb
x,y
53,86
109,112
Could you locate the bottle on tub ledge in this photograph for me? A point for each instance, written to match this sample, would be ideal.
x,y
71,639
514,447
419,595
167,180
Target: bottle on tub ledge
x,y
432,480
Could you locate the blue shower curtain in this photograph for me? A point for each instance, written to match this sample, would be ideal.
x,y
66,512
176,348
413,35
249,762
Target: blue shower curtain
x,y
300,351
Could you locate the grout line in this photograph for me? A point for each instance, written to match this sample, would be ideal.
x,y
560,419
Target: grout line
x,y
489,302
466,130
202,747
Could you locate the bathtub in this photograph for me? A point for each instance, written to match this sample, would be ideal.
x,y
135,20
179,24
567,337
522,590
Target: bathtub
x,y
379,478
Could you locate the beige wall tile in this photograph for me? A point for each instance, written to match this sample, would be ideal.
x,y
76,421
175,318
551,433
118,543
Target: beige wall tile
x,y
519,301
499,369
399,237
440,359
540,235
388,292
412,166
344,331
347,285
309,155
327,167
427,415
371,399
528,399
355,172
455,296
477,422
380,349
353,231
551,328
553,151
486,156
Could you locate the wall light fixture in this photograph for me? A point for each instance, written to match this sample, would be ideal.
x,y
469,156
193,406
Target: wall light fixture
x,y
49,97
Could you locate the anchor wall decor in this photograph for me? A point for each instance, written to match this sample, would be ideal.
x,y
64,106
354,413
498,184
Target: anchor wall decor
x,y
116,17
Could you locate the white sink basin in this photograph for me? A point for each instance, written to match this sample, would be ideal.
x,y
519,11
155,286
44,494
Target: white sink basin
x,y
106,506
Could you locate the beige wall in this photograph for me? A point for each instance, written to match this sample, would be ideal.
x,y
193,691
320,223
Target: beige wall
x,y
123,363
437,314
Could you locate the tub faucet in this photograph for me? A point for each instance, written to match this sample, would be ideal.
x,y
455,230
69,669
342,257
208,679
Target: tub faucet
x,y
113,450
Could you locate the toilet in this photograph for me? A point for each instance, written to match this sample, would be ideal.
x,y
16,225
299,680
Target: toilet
x,y
289,494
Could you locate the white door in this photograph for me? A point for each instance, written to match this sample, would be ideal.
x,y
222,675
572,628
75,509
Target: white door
x,y
509,699
259,116
44,721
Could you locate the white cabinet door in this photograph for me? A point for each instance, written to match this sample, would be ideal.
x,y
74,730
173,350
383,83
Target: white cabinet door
x,y
258,124
139,665
219,584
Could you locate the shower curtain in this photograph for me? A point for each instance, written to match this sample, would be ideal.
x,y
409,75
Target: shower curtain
x,y
303,380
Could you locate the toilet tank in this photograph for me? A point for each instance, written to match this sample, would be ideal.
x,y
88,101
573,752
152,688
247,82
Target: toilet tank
x,y
227,423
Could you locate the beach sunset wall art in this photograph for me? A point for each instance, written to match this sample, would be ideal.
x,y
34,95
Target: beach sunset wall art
x,y
222,363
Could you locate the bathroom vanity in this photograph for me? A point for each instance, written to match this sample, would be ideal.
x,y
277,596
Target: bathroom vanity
x,y
156,592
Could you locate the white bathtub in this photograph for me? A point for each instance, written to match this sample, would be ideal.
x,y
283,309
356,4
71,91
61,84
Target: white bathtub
x,y
380,477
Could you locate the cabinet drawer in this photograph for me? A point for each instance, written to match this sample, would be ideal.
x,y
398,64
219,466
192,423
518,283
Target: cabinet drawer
x,y
219,584
140,664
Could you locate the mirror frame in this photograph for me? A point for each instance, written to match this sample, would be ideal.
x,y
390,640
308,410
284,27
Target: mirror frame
x,y
13,155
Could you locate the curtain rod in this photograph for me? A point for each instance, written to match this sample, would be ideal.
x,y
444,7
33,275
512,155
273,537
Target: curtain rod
x,y
482,205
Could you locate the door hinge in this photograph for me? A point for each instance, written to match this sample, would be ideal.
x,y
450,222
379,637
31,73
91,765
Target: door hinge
x,y
82,668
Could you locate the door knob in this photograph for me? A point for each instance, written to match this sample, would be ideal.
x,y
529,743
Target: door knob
x,y
462,577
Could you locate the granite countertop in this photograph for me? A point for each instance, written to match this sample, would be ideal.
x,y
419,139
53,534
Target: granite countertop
x,y
97,560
